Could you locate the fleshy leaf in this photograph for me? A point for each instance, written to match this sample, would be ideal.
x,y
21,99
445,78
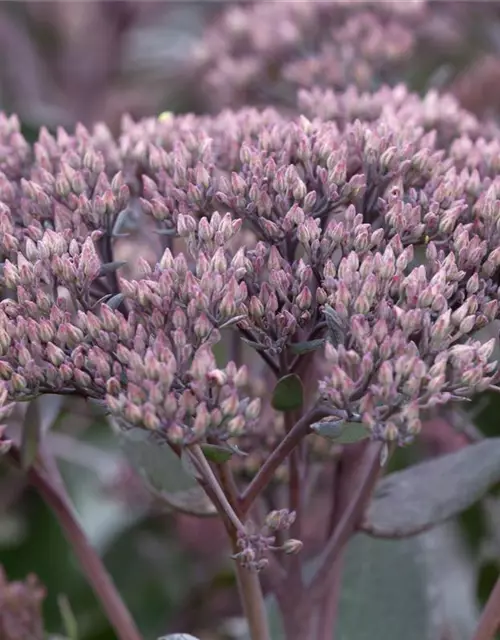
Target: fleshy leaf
x,y
410,501
341,432
386,580
216,453
336,326
255,345
194,502
30,438
305,347
115,301
288,393
40,416
189,465
110,267
165,473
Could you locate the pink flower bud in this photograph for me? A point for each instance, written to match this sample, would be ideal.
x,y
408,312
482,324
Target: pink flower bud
x,y
18,383
89,260
292,546
55,355
304,299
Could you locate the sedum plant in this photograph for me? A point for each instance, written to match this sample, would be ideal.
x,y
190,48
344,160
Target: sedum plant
x,y
320,291
324,285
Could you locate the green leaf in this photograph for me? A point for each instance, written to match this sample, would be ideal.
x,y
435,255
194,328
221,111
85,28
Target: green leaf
x,y
340,431
383,579
194,502
288,393
305,347
189,465
110,267
68,617
336,326
156,462
255,345
166,474
216,453
50,406
125,221
410,501
165,232
115,301
30,438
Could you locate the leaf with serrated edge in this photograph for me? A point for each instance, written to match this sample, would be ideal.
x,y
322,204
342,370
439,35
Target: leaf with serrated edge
x,y
288,393
410,501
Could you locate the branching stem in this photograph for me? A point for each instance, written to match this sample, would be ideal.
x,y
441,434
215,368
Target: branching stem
x,y
279,455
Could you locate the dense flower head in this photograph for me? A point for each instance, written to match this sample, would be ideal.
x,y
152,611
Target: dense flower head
x,y
369,227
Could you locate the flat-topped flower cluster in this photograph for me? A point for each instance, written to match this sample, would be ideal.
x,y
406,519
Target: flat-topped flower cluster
x,y
364,234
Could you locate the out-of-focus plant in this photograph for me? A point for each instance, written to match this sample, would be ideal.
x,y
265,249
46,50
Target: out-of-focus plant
x,y
261,53
64,63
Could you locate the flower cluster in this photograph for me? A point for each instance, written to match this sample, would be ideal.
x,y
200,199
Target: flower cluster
x,y
380,211
262,52
21,608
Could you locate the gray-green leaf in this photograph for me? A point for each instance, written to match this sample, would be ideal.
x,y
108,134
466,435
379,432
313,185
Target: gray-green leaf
x,y
30,438
336,326
383,579
110,267
40,416
216,453
306,347
115,301
165,473
341,432
288,393
410,501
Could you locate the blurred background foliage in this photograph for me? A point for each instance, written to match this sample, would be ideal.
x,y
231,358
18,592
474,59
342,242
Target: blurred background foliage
x,y
68,62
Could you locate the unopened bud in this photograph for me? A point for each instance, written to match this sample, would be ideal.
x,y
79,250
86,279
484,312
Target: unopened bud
x,y
292,546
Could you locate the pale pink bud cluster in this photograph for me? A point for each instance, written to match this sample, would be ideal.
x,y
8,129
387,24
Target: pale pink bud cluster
x,y
374,235
404,348
234,60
